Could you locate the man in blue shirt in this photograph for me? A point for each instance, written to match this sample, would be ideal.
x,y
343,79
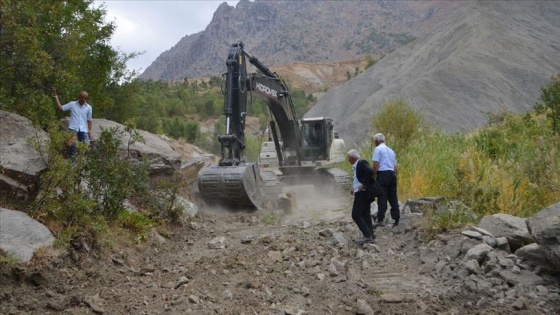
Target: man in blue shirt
x,y
80,119
385,171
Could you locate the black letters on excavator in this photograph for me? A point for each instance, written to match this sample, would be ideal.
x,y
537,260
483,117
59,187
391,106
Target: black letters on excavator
x,y
235,183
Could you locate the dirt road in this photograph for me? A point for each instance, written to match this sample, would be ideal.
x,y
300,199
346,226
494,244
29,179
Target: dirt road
x,y
260,263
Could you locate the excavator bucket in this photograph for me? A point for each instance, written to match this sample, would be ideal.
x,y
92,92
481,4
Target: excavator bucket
x,y
231,187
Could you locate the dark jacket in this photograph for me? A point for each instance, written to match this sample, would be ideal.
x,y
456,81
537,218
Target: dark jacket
x,y
364,174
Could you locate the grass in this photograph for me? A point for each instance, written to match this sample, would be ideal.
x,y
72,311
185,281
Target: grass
x,y
8,261
511,166
270,218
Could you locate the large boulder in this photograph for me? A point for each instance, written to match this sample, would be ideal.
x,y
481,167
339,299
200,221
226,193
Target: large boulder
x,y
20,163
161,157
545,229
510,227
20,235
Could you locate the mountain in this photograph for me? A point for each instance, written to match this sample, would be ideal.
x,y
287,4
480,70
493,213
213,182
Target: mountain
x,y
487,56
284,32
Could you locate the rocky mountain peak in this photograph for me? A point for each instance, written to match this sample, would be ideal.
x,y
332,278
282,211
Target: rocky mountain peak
x,y
284,32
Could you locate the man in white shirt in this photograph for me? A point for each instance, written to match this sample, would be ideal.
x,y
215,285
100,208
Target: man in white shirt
x,y
385,170
80,119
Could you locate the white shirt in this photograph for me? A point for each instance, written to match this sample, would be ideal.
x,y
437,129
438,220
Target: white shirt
x,y
385,156
79,115
356,183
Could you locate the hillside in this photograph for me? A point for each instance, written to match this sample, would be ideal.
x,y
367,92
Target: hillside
x,y
486,57
285,32
316,77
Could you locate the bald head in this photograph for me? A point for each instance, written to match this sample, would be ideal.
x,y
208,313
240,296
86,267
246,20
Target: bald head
x,y
83,97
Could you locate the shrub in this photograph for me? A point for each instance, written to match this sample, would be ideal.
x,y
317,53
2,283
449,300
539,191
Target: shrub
x,y
398,122
78,199
550,97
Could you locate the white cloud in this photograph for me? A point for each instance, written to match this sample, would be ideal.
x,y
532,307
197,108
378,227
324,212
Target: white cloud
x,y
153,27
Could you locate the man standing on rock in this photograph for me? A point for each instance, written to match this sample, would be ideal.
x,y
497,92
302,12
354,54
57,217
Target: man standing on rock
x,y
363,196
80,119
385,171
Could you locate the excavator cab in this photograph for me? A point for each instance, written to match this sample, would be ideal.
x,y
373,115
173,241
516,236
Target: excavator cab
x,y
317,138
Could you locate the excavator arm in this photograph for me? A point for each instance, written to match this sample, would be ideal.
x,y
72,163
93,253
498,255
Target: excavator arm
x,y
233,182
274,92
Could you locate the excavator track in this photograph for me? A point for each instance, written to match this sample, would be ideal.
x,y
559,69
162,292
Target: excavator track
x,y
336,181
231,187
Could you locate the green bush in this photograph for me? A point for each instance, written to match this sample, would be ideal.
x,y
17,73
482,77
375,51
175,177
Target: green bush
x,y
550,97
160,200
79,198
398,122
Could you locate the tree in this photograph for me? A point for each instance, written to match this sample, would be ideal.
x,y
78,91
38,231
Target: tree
x,y
550,96
56,46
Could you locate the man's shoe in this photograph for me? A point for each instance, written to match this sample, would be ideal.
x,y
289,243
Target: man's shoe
x,y
377,224
364,240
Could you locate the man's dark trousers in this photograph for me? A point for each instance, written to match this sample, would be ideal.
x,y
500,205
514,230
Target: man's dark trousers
x,y
361,213
388,182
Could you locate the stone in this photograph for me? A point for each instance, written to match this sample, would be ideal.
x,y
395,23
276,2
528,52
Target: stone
x,y
162,158
544,227
363,308
481,231
422,205
20,235
508,226
472,234
490,240
472,266
217,243
478,252
524,277
533,255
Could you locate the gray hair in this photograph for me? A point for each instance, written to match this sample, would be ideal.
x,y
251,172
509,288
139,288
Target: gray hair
x,y
354,153
379,137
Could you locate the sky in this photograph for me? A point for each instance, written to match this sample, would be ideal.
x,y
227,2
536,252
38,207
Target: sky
x,y
154,26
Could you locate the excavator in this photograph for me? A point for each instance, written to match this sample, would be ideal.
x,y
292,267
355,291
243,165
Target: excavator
x,y
299,152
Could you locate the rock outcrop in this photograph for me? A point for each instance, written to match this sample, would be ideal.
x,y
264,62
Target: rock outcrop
x,y
20,162
283,32
161,157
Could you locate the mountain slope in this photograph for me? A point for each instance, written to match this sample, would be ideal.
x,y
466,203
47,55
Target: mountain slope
x,y
283,32
486,57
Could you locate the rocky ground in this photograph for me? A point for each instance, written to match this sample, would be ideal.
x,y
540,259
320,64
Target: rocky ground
x,y
274,263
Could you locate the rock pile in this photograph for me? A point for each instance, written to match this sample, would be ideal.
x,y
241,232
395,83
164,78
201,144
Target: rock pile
x,y
506,259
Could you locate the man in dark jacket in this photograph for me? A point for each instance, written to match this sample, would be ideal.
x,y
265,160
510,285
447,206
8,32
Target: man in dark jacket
x,y
363,196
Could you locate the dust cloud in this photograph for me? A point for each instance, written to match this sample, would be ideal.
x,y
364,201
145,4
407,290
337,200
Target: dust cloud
x,y
313,204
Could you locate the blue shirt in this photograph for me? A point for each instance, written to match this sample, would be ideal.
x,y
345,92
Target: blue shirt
x,y
79,115
385,156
